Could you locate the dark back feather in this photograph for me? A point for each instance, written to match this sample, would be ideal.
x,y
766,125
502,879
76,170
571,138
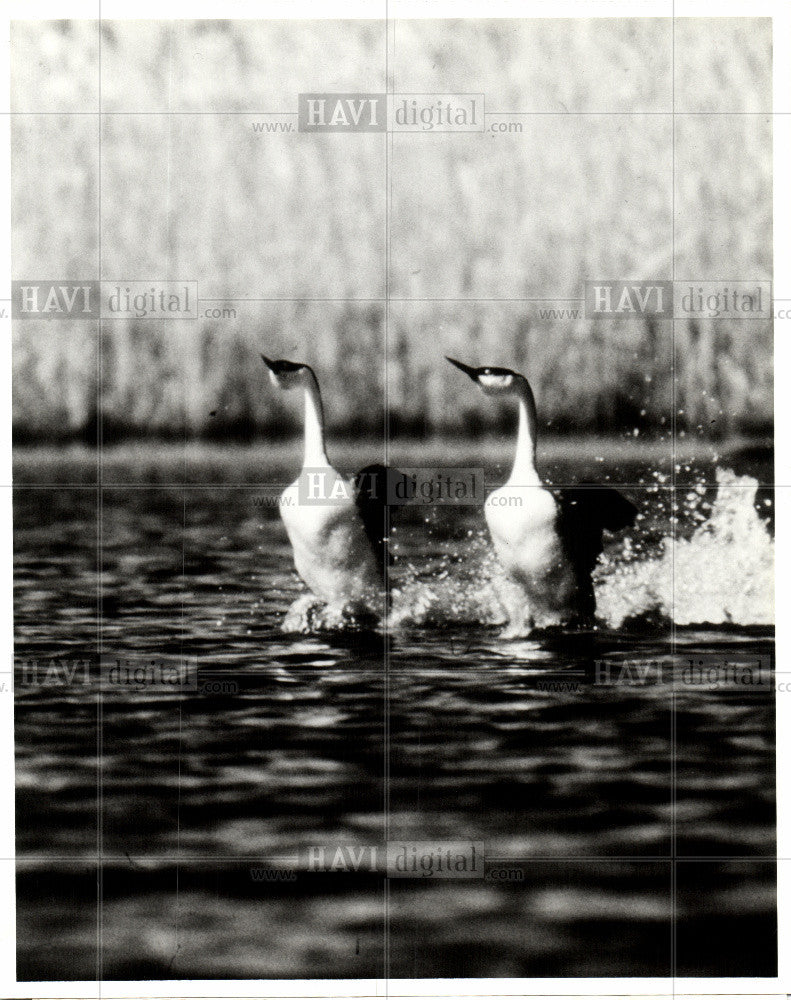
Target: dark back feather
x,y
371,492
584,512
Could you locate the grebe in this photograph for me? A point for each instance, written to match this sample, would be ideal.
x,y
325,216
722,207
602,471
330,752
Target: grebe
x,y
548,541
336,527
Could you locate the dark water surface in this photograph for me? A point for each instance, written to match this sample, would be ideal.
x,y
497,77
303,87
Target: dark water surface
x,y
629,828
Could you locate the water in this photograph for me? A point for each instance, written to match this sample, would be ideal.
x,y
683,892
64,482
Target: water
x,y
583,782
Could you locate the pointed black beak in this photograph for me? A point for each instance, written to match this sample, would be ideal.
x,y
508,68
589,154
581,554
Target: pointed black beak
x,y
268,362
472,372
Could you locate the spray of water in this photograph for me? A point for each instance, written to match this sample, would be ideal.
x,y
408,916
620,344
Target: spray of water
x,y
463,586
691,561
720,573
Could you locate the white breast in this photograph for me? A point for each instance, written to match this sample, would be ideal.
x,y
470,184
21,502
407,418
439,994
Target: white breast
x,y
523,525
331,551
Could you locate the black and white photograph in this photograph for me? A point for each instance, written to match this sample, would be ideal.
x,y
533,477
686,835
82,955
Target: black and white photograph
x,y
392,415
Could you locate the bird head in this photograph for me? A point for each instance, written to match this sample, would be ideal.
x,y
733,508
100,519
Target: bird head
x,y
493,381
287,374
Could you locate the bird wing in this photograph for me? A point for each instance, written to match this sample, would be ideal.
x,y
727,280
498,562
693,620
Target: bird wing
x,y
606,505
584,511
371,495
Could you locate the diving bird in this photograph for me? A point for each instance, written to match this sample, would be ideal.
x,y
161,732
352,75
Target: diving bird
x,y
547,540
337,527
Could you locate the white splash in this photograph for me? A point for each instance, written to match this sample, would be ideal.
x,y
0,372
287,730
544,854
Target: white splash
x,y
722,574
716,568
463,588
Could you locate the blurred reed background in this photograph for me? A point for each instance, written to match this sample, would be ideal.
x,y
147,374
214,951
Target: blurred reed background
x,y
601,182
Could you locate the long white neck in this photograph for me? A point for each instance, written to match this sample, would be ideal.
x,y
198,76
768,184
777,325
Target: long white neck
x,y
524,471
315,453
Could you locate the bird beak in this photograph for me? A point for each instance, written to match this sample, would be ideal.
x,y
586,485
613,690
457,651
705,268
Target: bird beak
x,y
472,372
268,362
